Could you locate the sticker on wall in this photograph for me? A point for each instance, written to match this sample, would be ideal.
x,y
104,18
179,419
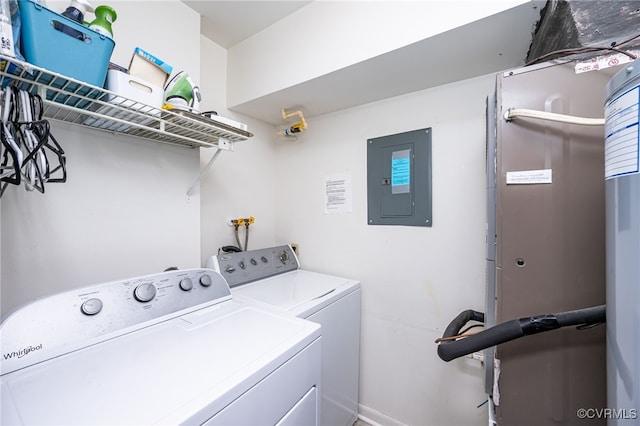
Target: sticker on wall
x,y
529,177
337,193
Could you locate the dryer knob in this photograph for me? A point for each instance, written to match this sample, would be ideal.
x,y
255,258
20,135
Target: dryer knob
x,y
206,281
91,306
186,284
145,292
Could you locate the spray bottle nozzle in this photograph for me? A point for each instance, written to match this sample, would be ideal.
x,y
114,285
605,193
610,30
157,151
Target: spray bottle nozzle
x,y
82,5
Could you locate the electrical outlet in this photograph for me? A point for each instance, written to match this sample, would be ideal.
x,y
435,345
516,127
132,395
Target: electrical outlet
x,y
296,248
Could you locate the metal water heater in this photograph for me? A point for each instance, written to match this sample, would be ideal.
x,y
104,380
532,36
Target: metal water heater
x,y
622,192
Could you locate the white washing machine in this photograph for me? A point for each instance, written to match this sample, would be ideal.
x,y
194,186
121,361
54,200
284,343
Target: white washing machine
x,y
171,348
272,277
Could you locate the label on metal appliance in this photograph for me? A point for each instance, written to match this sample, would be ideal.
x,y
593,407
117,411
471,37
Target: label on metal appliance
x,y
622,143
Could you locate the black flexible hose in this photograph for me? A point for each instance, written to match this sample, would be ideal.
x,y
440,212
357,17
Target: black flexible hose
x,y
500,333
510,330
586,316
454,327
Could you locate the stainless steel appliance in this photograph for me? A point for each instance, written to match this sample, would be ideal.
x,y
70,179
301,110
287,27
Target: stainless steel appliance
x,y
622,188
545,251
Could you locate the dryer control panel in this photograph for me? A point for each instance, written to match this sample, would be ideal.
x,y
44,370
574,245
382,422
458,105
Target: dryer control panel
x,y
78,318
247,266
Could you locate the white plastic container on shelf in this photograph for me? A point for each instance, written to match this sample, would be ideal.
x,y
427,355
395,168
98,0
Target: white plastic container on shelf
x,y
134,88
132,93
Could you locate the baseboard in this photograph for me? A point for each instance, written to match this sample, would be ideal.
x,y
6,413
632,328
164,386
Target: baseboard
x,y
375,418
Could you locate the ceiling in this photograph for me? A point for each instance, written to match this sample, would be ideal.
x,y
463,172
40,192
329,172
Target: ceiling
x,y
229,22
501,42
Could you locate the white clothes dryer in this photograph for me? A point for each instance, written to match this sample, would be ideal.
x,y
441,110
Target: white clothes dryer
x,y
272,277
171,348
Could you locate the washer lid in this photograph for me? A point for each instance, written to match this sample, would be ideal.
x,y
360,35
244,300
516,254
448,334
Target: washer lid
x,y
291,290
179,371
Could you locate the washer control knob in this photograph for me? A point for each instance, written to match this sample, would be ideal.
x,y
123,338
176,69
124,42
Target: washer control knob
x,y
91,306
186,284
253,261
242,265
264,259
206,281
284,257
229,269
145,292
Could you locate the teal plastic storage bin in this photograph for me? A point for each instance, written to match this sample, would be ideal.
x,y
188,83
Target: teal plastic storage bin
x,y
46,45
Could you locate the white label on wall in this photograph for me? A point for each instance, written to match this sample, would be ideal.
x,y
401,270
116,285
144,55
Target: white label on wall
x,y
528,177
337,193
621,141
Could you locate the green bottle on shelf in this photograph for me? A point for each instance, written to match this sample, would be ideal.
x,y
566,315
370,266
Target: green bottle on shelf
x,y
105,16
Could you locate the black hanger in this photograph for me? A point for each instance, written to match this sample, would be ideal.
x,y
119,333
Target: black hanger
x,y
11,153
29,148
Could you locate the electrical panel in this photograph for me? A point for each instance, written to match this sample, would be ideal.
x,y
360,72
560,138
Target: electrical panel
x,y
399,179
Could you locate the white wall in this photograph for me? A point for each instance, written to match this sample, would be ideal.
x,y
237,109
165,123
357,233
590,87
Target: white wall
x,y
123,210
123,213
326,36
241,183
414,279
167,29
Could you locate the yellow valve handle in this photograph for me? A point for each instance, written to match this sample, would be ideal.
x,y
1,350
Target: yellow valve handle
x,y
243,221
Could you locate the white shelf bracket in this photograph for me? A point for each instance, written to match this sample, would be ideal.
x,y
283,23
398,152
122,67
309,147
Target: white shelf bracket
x,y
225,144
203,172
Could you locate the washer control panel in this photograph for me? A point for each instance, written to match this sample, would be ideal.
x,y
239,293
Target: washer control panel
x,y
74,319
247,266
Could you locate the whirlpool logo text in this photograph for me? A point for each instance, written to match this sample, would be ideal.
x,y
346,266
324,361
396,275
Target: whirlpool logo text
x,y
22,352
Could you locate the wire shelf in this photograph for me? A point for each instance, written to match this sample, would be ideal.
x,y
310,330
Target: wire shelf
x,y
73,101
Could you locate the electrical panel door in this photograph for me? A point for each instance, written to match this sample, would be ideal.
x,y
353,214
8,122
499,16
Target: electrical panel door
x,y
399,179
